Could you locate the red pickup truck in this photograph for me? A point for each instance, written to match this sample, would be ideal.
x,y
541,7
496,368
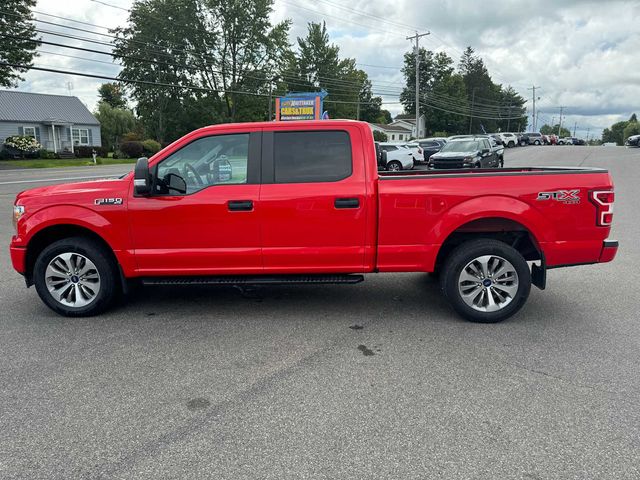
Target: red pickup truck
x,y
295,202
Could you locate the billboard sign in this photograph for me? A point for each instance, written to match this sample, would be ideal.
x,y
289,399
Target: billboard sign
x,y
300,106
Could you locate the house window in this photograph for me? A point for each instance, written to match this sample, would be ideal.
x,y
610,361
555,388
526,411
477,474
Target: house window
x,y
80,136
393,137
400,137
30,132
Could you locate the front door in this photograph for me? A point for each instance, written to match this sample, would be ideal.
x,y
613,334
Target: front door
x,y
212,228
313,201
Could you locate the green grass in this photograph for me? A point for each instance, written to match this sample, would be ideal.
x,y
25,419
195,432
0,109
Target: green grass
x,y
71,162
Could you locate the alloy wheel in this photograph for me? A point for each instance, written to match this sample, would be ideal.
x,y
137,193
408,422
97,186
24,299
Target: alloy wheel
x,y
72,280
488,283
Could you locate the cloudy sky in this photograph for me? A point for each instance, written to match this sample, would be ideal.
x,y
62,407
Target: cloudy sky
x,y
584,55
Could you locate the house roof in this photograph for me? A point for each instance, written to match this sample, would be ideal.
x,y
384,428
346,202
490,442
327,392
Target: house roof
x,y
38,107
406,116
392,128
411,121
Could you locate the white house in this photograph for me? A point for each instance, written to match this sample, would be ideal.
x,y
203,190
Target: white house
x,y
394,133
408,122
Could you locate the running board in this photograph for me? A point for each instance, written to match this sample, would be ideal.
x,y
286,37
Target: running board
x,y
253,280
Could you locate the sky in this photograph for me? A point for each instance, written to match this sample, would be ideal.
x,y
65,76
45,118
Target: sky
x,y
583,55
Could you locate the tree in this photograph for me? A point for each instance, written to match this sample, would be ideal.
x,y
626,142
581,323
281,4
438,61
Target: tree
x,y
553,130
633,118
18,43
615,133
113,94
114,122
632,128
317,66
379,136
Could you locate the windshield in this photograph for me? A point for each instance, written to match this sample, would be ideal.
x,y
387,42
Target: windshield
x,y
468,146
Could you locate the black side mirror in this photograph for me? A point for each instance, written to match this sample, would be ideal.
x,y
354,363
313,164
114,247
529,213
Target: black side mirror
x,y
141,178
175,182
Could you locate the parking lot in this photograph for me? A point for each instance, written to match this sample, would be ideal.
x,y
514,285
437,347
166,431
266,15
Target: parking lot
x,y
379,379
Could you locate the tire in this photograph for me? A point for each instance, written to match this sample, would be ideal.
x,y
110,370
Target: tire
x,y
492,302
394,166
76,295
511,144
537,142
523,143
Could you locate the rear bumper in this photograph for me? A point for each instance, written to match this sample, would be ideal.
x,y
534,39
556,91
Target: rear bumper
x,y
18,257
609,250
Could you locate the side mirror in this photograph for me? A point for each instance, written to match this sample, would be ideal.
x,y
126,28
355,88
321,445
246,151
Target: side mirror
x,y
485,151
175,182
141,177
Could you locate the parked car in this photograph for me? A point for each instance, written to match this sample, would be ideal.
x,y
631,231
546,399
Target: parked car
x,y
396,157
429,147
509,139
633,141
578,141
471,152
531,138
271,202
417,151
565,141
497,138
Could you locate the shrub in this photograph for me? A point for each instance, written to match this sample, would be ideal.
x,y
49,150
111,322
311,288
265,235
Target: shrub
x,y
46,154
131,137
131,149
22,144
5,154
379,136
440,134
83,151
150,147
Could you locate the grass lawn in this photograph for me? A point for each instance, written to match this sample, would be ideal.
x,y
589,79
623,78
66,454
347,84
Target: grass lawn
x,y
71,162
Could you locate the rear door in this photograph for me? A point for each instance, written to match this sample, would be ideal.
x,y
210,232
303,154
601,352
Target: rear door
x,y
313,208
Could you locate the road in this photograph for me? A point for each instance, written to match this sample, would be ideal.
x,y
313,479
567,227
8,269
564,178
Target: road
x,y
376,380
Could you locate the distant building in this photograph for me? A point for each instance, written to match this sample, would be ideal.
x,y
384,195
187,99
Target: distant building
x,y
59,123
394,133
409,122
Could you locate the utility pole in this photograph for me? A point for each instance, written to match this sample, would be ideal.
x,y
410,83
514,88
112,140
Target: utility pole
x,y
533,116
509,119
575,124
417,37
560,123
473,101
270,99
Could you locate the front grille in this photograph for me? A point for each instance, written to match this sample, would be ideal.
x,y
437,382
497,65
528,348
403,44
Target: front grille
x,y
448,164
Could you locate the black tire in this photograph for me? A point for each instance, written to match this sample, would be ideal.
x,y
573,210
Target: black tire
x,y
465,253
105,266
523,143
511,144
537,142
394,166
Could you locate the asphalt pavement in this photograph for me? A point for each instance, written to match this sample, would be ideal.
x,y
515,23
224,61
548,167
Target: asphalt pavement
x,y
375,380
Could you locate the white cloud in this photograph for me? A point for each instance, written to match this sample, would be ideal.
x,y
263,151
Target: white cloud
x,y
583,54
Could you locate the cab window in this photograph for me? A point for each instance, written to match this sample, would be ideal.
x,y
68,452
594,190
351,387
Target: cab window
x,y
205,162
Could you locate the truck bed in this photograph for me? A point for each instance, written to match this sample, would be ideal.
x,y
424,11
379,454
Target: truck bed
x,y
384,175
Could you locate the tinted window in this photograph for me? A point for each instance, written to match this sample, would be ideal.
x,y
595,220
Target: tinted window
x,y
462,146
311,156
208,161
429,144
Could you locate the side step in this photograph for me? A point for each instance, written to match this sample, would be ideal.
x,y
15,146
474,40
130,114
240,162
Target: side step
x,y
253,280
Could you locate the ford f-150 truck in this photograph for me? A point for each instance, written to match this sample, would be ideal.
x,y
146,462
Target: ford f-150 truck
x,y
287,202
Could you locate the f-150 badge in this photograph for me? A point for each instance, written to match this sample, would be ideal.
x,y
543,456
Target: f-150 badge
x,y
108,201
562,196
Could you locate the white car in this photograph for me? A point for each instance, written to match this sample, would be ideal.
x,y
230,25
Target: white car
x,y
399,157
418,153
565,141
509,139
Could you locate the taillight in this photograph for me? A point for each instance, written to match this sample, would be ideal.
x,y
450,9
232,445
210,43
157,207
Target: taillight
x,y
603,200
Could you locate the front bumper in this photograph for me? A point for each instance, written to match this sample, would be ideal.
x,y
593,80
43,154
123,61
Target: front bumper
x,y
609,251
18,258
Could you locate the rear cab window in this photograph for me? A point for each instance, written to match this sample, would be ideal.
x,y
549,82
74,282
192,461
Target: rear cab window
x,y
311,156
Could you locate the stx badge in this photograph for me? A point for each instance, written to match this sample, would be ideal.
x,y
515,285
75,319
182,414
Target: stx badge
x,y
563,196
108,201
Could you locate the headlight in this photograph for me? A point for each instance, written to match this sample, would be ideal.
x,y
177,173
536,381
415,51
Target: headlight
x,y
18,211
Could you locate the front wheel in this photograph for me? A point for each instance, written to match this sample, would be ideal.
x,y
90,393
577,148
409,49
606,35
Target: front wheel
x,y
523,143
394,166
485,280
75,277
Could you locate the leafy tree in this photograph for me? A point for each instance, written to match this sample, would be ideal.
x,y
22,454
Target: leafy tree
x,y
18,44
379,136
553,130
384,117
615,133
113,94
632,128
317,65
633,118
114,122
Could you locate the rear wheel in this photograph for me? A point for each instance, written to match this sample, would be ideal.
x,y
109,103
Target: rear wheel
x,y
75,277
394,166
537,142
523,143
511,144
486,280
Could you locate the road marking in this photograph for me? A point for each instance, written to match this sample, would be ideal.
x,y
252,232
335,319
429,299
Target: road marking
x,y
57,179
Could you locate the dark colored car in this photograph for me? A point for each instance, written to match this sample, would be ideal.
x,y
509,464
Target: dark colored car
x,y
466,153
633,141
578,141
430,147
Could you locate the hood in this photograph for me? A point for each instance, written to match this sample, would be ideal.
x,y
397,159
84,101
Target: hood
x,y
452,155
79,193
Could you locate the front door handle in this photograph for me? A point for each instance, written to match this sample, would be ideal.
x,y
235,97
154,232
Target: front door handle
x,y
347,203
240,205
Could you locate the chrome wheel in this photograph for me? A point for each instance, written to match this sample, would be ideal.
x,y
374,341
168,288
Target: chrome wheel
x,y
72,280
488,283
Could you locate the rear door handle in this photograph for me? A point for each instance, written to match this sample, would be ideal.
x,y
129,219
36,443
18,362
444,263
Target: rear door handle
x,y
347,203
240,205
